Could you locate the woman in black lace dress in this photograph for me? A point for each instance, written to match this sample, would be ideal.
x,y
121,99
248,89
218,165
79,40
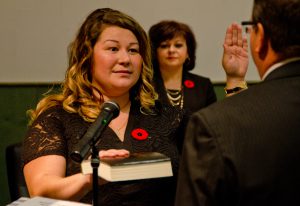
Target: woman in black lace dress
x,y
108,60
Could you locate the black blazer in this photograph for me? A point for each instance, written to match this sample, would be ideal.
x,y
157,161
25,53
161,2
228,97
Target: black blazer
x,y
198,92
244,150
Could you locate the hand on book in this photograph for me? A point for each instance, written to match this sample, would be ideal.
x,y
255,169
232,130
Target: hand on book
x,y
119,165
114,153
110,154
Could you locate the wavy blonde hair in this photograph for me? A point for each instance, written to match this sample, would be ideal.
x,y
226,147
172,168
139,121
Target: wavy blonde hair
x,y
77,90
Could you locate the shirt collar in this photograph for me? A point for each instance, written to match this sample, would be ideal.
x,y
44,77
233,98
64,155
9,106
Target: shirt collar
x,y
279,64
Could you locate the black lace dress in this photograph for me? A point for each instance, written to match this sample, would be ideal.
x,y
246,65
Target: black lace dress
x,y
57,132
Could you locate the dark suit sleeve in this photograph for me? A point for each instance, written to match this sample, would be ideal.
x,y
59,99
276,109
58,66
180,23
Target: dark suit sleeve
x,y
201,168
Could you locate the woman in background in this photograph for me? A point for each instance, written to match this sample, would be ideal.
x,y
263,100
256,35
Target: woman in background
x,y
173,57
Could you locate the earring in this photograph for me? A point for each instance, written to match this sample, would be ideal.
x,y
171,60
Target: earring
x,y
187,61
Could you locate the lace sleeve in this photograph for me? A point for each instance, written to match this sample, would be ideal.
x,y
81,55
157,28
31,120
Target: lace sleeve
x,y
45,136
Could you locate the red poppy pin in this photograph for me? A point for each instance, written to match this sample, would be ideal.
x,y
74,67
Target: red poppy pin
x,y
139,134
189,84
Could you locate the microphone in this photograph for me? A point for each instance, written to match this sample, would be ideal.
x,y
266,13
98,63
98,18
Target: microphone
x,y
109,111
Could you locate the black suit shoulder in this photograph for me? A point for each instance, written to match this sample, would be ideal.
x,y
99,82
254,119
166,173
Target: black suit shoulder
x,y
256,132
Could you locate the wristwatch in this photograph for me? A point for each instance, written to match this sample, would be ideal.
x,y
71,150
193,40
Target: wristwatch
x,y
233,90
237,89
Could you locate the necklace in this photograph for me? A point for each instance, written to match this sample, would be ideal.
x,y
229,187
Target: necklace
x,y
175,97
119,130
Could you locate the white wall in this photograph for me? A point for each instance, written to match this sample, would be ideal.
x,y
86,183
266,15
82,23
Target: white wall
x,y
34,34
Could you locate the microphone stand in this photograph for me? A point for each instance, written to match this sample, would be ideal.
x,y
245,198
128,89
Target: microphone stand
x,y
110,110
95,163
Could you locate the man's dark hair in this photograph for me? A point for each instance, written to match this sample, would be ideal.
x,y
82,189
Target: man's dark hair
x,y
281,20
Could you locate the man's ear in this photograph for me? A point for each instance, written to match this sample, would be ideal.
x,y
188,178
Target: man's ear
x,y
261,42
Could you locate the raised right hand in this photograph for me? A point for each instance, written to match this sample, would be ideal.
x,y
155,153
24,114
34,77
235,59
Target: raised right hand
x,y
235,56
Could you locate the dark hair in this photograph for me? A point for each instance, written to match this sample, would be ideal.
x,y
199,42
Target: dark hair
x,y
166,30
280,20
